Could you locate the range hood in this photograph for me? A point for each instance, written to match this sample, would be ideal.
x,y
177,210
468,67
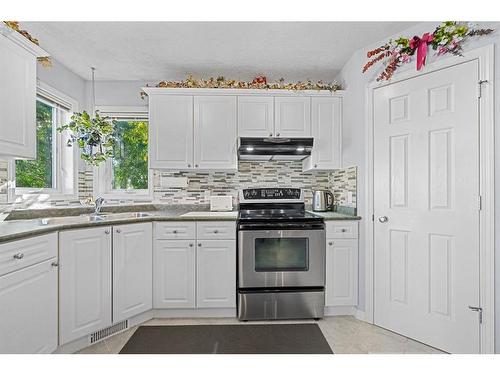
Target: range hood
x,y
262,149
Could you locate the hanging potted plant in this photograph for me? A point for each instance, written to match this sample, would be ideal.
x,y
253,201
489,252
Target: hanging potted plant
x,y
94,136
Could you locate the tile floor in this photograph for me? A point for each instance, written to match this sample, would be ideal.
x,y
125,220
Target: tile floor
x,y
345,334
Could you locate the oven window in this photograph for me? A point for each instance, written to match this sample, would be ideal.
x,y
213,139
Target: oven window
x,y
281,254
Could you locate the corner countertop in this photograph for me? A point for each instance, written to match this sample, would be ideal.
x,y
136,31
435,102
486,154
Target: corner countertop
x,y
16,229
55,220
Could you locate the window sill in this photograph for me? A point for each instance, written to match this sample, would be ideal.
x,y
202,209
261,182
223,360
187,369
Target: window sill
x,y
32,196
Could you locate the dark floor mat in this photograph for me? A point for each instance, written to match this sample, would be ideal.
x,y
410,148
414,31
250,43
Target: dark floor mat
x,y
228,339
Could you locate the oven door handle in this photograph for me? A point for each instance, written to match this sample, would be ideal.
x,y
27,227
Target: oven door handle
x,y
280,226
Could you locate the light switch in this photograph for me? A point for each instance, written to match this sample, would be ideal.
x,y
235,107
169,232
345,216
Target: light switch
x,y
349,197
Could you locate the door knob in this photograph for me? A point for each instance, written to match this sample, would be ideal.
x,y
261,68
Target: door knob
x,y
383,219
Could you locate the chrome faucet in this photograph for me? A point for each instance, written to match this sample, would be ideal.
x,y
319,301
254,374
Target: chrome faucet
x,y
98,205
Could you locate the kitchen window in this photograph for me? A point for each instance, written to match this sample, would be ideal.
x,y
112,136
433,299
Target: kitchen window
x,y
54,172
126,175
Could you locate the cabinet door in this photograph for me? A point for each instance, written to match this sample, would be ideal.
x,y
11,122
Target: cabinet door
x,y
216,273
28,310
341,272
215,132
174,274
292,117
255,116
17,101
327,133
170,131
132,270
85,282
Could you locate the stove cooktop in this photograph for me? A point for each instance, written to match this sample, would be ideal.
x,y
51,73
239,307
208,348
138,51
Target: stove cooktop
x,y
277,214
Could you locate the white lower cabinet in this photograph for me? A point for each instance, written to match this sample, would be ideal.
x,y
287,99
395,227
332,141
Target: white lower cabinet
x,y
174,266
216,281
132,270
28,309
195,274
85,282
341,264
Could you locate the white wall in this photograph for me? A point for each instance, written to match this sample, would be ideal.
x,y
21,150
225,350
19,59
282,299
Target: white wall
x,y
117,93
354,135
64,80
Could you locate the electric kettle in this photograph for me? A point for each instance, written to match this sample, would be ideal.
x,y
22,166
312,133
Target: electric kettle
x,y
322,200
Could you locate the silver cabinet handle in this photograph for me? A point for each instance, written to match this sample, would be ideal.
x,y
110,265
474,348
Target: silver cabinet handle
x,y
383,219
55,264
19,256
118,231
106,231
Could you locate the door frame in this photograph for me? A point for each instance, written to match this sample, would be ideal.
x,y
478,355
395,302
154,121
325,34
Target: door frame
x,y
485,57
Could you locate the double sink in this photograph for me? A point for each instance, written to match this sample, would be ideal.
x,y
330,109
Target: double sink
x,y
95,217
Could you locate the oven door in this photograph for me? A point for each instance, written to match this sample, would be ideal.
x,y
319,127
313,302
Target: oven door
x,y
281,258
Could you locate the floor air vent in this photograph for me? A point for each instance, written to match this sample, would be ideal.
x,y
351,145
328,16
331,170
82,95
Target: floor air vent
x,y
103,333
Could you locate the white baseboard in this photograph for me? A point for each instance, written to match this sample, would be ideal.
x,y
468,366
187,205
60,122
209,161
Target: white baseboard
x,y
195,313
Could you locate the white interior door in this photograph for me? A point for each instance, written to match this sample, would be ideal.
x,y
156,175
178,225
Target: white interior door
x,y
426,183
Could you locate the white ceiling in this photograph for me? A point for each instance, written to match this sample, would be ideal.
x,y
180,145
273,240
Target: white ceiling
x,y
153,51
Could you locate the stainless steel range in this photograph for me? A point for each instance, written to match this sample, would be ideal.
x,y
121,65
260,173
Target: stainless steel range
x,y
281,256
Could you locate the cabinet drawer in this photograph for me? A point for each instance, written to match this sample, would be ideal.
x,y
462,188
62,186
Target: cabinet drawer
x,y
212,230
23,253
175,230
341,229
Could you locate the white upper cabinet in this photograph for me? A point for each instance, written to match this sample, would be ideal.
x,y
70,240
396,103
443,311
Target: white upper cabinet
x,y
198,129
255,116
132,270
292,116
84,282
327,133
171,131
17,94
215,132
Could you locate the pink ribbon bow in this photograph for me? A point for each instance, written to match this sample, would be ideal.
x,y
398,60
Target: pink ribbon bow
x,y
421,45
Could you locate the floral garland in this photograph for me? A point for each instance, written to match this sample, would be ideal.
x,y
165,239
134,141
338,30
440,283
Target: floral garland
x,y
259,82
14,25
447,38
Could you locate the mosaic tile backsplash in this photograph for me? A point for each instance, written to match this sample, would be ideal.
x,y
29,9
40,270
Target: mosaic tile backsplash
x,y
200,185
250,174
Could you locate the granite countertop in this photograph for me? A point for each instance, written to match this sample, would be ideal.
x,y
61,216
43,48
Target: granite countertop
x,y
16,229
331,215
26,223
